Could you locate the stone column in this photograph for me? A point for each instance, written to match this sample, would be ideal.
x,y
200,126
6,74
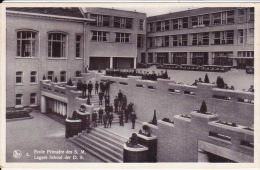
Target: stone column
x,y
43,104
135,63
111,62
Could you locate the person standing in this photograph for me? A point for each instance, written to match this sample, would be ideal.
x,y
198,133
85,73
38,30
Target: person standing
x,y
105,120
107,99
120,97
96,87
116,104
121,118
84,89
107,86
126,115
94,119
101,96
110,119
100,114
90,86
133,118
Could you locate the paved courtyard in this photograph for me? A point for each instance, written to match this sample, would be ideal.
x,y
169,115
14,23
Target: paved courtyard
x,y
41,133
236,77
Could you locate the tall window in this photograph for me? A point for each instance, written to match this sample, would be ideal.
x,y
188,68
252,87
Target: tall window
x,y
223,58
240,36
142,57
19,77
224,18
18,99
245,53
120,22
241,15
78,46
139,41
150,27
180,40
149,42
179,58
251,36
223,37
162,41
33,76
150,57
163,25
251,14
56,45
180,23
101,20
141,24
26,44
63,76
200,39
123,37
33,98
200,21
50,75
99,36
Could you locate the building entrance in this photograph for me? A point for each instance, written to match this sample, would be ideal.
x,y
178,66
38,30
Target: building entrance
x,y
99,63
123,63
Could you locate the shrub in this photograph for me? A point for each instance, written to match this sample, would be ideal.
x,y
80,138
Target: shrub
x,y
69,83
203,108
206,79
44,78
56,80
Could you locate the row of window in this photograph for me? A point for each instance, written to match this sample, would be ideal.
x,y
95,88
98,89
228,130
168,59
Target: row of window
x,y
220,18
103,36
219,58
19,99
34,77
218,38
117,22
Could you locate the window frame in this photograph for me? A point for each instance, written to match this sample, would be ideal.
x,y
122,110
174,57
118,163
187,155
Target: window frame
x,y
100,35
35,76
63,44
63,74
20,97
33,96
52,75
21,77
78,46
19,43
140,41
123,37
141,24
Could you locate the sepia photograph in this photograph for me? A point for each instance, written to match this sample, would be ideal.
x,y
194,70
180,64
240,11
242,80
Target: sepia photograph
x,y
129,83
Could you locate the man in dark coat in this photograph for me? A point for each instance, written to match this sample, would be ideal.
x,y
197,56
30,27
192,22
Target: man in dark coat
x,y
101,96
96,87
84,89
100,114
94,119
133,118
105,118
110,119
79,85
101,84
116,104
90,86
107,99
126,115
120,97
107,85
121,118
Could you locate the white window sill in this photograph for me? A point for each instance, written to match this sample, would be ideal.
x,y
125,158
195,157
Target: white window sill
x,y
18,107
52,58
34,83
26,57
77,58
19,84
32,105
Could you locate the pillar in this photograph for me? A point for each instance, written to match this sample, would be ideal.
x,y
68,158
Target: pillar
x,y
188,58
135,63
43,104
210,61
111,62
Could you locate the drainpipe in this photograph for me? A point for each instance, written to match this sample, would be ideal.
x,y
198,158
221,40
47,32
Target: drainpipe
x,y
84,45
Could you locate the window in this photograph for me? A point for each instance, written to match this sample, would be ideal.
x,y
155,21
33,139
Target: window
x,y
33,98
26,44
240,36
245,54
140,41
200,39
78,46
149,42
180,23
18,99
251,36
19,77
50,75
123,22
223,58
200,21
99,36
56,45
33,76
162,41
162,25
223,37
241,15
179,58
123,37
224,18
101,20
150,57
251,14
150,27
142,57
180,40
141,24
63,76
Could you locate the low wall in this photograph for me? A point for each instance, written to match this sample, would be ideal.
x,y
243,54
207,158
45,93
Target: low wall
x,y
169,99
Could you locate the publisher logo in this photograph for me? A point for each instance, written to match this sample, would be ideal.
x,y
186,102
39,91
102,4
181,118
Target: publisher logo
x,y
17,154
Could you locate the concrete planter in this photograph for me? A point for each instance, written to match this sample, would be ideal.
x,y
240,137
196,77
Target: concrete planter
x,y
151,144
73,127
135,154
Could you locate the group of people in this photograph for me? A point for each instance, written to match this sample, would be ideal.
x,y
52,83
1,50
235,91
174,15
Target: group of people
x,y
84,87
145,76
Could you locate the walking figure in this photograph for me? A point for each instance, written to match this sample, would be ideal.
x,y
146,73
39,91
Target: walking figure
x,y
110,119
105,120
94,119
133,118
116,104
100,95
121,118
96,87
84,89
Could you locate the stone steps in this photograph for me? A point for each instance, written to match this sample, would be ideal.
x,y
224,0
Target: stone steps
x,y
102,144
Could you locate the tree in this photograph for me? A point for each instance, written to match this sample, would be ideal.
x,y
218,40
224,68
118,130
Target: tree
x,y
154,121
203,108
206,79
44,78
56,80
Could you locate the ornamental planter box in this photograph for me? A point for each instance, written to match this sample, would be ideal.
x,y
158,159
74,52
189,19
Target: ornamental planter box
x,y
135,155
73,127
151,144
85,118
